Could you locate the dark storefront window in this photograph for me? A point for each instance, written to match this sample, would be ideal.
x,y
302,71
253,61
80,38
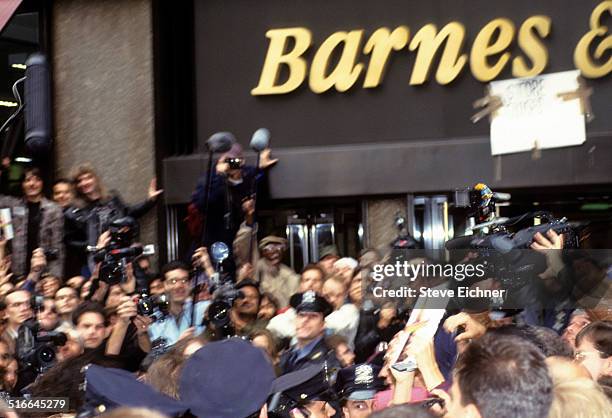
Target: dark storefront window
x,y
23,35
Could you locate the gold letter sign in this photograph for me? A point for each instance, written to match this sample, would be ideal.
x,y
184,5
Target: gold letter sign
x,y
340,63
582,57
276,56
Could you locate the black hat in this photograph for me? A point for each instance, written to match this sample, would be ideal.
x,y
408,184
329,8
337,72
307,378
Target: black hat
x,y
226,379
359,382
300,387
107,388
309,301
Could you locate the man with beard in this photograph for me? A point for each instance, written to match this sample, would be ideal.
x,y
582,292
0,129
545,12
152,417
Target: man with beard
x,y
273,276
178,286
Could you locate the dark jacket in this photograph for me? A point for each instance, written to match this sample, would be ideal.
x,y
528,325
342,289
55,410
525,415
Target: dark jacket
x,y
319,354
87,221
224,205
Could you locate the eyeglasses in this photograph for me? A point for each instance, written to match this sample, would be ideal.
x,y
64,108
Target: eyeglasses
x,y
181,281
273,247
581,355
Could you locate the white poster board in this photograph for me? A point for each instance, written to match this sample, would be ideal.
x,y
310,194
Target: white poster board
x,y
534,116
6,223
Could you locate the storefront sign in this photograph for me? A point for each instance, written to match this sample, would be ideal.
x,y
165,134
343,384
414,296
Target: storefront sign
x,y
339,61
538,113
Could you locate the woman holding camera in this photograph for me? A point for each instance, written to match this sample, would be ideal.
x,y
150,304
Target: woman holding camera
x,y
94,209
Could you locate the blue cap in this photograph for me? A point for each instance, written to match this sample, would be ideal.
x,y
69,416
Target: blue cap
x,y
226,379
108,388
309,301
359,382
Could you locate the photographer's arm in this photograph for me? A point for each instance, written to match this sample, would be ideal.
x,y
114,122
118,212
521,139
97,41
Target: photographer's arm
x,y
125,311
129,286
201,259
246,236
37,266
142,326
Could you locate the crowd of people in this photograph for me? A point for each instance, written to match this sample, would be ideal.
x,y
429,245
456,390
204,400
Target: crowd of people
x,y
255,338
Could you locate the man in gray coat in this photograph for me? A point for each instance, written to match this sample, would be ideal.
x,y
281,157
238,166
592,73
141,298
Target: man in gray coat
x,y
37,223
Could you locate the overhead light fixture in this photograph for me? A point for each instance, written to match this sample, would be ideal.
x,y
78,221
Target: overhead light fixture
x,y
8,104
23,160
19,66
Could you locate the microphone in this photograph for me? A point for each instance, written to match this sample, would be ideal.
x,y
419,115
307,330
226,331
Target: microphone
x,y
221,142
260,140
501,197
37,105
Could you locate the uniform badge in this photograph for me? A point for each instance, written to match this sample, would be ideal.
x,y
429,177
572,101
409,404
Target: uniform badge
x,y
309,297
364,374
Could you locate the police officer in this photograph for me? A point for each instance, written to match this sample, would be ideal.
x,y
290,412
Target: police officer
x,y
357,386
311,310
304,393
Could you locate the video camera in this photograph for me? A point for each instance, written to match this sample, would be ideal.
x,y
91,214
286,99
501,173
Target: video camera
x,y
119,252
220,308
501,242
224,294
36,350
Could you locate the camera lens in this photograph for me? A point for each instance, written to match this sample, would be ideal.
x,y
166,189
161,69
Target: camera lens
x,y
46,355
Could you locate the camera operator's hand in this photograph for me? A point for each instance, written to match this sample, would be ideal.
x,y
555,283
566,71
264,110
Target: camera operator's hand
x,y
126,310
265,160
201,259
554,261
472,328
103,240
153,192
552,241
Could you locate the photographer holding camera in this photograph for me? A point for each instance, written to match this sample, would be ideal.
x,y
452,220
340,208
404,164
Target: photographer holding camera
x,y
232,182
178,287
37,223
94,210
